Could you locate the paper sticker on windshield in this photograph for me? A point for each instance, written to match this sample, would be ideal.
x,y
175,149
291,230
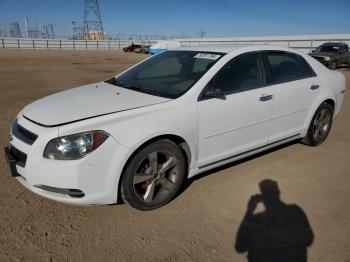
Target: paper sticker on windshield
x,y
207,56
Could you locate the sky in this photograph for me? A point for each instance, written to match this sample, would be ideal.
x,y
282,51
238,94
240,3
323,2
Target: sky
x,y
217,18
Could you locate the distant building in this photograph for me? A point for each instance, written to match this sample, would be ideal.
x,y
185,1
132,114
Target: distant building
x,y
97,36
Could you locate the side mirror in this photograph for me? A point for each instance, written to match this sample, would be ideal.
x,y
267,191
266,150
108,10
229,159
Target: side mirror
x,y
214,93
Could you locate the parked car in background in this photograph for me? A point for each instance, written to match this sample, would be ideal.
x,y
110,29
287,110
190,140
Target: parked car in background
x,y
173,116
163,46
136,48
332,54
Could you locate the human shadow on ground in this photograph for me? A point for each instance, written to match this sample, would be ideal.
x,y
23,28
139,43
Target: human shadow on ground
x,y
280,233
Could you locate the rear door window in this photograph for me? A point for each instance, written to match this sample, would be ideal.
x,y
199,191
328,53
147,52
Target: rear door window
x,y
306,69
285,67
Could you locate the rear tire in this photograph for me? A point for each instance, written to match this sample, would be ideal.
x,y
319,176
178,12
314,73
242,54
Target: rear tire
x,y
154,175
320,125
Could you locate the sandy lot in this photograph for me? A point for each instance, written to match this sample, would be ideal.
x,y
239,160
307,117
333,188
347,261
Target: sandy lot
x,y
202,223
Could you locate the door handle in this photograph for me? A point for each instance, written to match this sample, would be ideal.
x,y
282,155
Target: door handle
x,y
314,87
264,98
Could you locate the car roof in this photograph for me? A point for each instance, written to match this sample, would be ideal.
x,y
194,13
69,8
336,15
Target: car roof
x,y
227,48
333,44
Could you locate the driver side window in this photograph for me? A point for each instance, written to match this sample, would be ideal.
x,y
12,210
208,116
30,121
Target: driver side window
x,y
241,74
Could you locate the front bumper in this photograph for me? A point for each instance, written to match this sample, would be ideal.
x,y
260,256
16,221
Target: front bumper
x,y
323,61
92,180
12,161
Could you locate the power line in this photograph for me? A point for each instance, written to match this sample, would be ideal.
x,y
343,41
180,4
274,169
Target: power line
x,y
271,14
263,15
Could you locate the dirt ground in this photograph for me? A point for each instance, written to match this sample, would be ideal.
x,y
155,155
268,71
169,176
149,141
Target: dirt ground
x,y
202,223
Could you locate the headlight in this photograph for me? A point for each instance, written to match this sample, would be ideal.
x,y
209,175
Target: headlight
x,y
75,146
327,58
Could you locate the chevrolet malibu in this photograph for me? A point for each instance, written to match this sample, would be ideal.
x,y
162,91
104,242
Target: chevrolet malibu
x,y
139,135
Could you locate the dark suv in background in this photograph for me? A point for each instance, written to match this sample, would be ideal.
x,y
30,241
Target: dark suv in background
x,y
332,54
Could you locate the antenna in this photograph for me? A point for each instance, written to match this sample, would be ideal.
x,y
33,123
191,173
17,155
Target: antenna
x,y
92,20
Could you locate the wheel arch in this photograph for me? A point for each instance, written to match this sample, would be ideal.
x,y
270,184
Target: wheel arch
x,y
178,140
327,99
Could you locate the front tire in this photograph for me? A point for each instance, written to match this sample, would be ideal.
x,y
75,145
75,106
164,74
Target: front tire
x,y
332,65
320,125
154,175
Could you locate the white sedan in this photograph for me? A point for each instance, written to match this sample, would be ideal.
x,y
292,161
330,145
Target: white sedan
x,y
140,134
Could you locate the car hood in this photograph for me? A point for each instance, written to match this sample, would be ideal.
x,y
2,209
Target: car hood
x,y
322,54
86,102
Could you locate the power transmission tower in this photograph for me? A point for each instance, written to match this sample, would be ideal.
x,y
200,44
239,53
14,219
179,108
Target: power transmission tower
x,y
51,33
44,31
3,33
35,32
15,30
77,30
32,30
92,20
47,31
201,33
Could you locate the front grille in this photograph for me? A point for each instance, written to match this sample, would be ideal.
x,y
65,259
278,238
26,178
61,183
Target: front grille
x,y
23,134
320,59
19,156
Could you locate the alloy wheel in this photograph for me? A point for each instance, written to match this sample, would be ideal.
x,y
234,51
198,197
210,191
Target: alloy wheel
x,y
322,124
156,177
333,65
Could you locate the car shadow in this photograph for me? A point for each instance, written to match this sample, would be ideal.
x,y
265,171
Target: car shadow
x,y
343,67
186,184
281,232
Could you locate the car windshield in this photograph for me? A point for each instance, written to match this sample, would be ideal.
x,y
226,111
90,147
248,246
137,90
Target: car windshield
x,y
328,49
169,74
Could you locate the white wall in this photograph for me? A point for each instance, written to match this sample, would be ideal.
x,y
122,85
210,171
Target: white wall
x,y
301,42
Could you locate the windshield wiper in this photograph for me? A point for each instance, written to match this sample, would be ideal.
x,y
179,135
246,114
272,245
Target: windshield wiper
x,y
114,81
134,86
138,87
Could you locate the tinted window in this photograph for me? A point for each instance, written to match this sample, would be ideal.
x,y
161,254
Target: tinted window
x,y
306,70
166,67
286,67
344,49
241,74
328,49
